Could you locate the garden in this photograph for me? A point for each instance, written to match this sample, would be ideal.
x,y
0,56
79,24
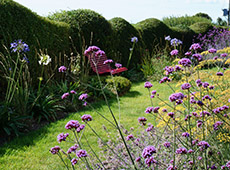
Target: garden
x,y
82,92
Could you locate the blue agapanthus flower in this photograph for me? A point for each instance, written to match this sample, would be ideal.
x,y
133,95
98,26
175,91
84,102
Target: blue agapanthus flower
x,y
134,39
19,46
175,42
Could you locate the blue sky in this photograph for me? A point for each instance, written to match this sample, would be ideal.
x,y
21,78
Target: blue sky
x,y
131,10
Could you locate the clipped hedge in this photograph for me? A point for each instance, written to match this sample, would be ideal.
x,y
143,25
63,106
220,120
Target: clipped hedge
x,y
123,31
153,32
18,22
201,27
87,28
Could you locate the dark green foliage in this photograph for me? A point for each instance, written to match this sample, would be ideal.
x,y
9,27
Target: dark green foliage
x,y
185,35
18,22
123,32
203,15
87,28
122,84
201,27
153,32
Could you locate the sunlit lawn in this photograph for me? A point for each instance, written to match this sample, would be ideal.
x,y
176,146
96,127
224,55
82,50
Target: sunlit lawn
x,y
32,151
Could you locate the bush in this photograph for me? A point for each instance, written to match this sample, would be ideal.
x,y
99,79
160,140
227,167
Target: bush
x,y
18,22
122,85
123,32
184,21
201,27
153,32
87,28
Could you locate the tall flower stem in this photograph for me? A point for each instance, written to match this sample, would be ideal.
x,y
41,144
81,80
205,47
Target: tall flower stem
x,y
107,103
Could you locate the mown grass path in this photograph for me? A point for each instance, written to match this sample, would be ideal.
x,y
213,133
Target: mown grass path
x,y
32,151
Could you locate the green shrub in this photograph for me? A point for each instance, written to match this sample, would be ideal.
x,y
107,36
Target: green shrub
x,y
122,84
18,22
123,32
184,21
87,28
201,27
153,32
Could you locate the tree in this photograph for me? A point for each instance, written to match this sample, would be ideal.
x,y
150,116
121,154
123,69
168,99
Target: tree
x,y
203,15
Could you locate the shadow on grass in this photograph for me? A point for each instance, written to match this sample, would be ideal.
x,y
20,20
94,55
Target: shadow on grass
x,y
31,138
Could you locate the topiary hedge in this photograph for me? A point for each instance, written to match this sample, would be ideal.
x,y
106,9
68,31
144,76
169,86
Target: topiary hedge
x,y
18,22
153,32
87,28
123,31
201,27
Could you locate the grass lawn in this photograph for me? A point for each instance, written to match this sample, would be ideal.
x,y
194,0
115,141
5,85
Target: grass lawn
x,y
32,150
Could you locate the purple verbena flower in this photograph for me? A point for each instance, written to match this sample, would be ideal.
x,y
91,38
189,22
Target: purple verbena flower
x,y
73,92
203,145
129,137
155,110
195,46
80,128
176,96
65,95
212,50
197,57
72,124
86,118
171,114
148,85
90,50
224,55
185,86
188,53
150,128
217,124
83,96
148,151
62,69
174,52
185,62
118,65
165,79
81,153
185,134
142,120
167,144
149,109
181,151
207,97
62,137
219,74
108,61
74,161
72,149
150,160
134,39
55,150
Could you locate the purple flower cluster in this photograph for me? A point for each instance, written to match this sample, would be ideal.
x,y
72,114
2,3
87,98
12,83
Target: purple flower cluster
x,y
185,86
65,95
55,150
171,114
220,109
172,168
185,134
72,149
81,153
217,124
118,65
203,113
149,109
177,97
19,46
72,124
188,53
108,61
150,160
207,97
86,118
224,55
62,69
181,151
169,70
148,151
165,79
80,128
219,74
142,120
167,144
62,137
90,50
199,123
150,128
174,52
195,46
74,161
212,50
185,62
203,145
148,85
197,57
129,137
83,96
